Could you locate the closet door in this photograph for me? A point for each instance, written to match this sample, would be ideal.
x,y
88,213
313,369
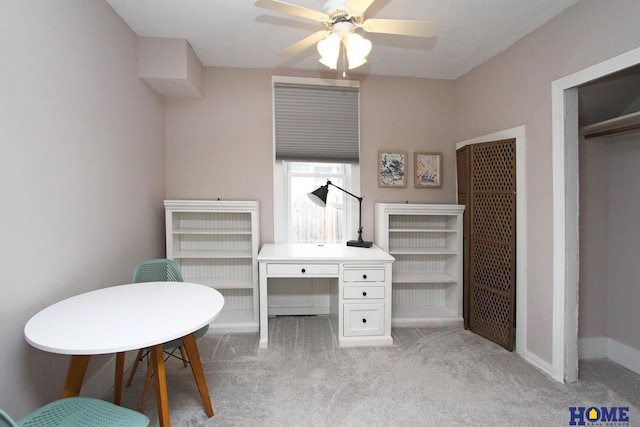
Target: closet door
x,y
492,241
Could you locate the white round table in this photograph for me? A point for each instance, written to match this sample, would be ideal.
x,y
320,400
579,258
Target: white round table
x,y
123,318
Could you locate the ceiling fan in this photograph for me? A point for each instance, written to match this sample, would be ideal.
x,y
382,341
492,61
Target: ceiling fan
x,y
341,18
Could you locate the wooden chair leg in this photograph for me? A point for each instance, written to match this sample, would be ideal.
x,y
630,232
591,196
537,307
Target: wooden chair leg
x,y
185,358
135,366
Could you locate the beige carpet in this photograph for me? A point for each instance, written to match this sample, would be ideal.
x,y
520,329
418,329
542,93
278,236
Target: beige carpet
x,y
429,377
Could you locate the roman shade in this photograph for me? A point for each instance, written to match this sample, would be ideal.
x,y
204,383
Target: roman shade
x,y
316,123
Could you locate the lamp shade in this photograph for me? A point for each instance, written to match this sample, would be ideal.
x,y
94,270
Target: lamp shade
x,y
329,50
319,196
357,48
358,45
355,61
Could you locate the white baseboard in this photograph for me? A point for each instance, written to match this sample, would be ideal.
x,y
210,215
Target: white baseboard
x,y
607,348
592,348
539,363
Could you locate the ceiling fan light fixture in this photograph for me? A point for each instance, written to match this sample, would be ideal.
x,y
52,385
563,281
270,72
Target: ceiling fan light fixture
x,y
355,61
357,48
329,50
341,18
358,44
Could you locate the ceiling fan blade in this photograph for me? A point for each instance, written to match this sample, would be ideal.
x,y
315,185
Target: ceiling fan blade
x,y
292,9
359,6
401,27
304,43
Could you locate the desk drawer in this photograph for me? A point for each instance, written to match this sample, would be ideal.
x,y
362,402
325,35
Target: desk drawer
x,y
365,275
363,319
303,270
363,292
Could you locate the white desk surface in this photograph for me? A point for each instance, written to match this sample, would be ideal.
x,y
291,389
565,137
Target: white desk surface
x,y
122,318
320,252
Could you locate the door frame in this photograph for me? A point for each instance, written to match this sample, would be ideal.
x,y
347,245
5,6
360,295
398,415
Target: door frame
x,y
564,95
518,133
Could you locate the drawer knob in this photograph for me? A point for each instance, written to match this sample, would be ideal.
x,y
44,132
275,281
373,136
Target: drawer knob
x,y
364,293
304,271
364,320
364,276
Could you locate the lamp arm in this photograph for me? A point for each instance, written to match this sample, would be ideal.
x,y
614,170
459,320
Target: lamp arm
x,y
359,208
342,189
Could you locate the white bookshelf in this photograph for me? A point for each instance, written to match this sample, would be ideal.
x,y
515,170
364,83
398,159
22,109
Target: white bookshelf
x,y
215,243
426,241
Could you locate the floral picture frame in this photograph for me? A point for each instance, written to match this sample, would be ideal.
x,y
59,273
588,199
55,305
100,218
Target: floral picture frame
x,y
392,169
427,170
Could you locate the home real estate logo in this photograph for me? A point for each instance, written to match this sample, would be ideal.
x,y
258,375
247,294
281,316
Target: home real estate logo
x,y
602,416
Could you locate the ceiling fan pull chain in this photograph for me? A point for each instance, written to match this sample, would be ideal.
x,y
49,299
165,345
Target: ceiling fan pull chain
x,y
344,61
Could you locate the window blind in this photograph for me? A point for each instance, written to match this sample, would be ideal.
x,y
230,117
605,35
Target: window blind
x,y
316,123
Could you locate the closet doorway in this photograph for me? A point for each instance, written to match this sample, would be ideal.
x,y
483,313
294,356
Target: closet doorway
x,y
487,187
565,210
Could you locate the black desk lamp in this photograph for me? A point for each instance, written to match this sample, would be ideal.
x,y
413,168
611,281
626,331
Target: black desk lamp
x,y
319,197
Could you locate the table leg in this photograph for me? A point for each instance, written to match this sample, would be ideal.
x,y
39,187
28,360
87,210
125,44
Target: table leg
x,y
75,375
191,347
117,384
162,398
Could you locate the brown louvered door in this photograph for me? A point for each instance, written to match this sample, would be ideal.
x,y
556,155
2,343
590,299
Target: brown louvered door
x,y
492,239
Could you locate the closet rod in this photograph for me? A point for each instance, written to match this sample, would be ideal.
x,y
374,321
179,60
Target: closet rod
x,y
627,123
612,131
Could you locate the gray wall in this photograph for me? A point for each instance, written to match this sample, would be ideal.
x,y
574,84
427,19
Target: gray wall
x,y
610,239
623,267
594,237
82,169
513,89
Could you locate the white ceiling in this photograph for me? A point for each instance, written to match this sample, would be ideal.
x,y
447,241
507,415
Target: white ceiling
x,y
235,33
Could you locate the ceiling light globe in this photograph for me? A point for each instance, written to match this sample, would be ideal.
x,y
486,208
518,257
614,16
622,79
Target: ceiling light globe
x,y
355,61
358,45
357,48
329,50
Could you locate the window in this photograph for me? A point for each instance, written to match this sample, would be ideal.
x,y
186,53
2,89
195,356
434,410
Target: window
x,y
316,138
307,222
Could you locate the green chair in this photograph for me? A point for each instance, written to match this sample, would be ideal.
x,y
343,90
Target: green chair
x,y
159,270
78,412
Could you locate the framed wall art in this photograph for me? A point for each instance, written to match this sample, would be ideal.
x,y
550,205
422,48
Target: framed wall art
x,y
392,167
427,170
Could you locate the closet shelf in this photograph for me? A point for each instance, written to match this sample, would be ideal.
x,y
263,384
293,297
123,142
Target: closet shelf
x,y
611,127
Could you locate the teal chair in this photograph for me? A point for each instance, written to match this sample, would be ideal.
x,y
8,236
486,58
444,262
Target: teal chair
x,y
159,270
78,412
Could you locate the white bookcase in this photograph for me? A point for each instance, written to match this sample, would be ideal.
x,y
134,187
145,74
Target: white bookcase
x,y
426,241
215,243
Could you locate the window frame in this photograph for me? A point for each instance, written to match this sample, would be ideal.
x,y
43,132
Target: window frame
x,y
281,185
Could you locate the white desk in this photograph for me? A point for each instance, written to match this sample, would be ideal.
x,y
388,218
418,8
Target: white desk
x,y
361,301
123,318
